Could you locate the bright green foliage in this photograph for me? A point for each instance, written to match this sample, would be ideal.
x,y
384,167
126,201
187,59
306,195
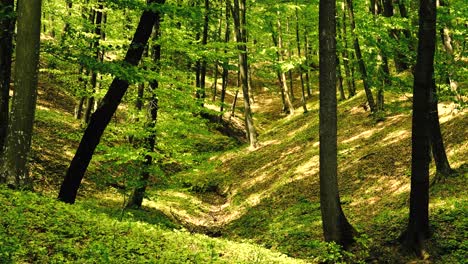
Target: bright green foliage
x,y
38,229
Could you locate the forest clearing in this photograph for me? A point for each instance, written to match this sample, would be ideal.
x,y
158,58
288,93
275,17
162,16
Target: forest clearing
x,y
235,131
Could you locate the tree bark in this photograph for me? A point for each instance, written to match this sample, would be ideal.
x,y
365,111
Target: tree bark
x,y
280,73
345,55
298,40
225,75
335,225
437,144
14,169
7,24
97,20
239,13
153,106
203,63
418,225
103,114
362,66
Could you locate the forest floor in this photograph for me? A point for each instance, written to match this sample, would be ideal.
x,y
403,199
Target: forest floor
x,y
270,195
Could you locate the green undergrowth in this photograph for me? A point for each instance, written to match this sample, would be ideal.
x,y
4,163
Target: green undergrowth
x,y
35,229
271,195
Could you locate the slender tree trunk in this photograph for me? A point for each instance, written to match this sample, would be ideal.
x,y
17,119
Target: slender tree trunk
x,y
7,24
340,80
234,102
102,116
335,225
298,40
225,75
386,8
278,71
437,144
418,226
307,61
153,106
216,73
447,43
97,20
362,66
281,74
402,36
239,13
341,32
14,169
290,73
79,108
203,62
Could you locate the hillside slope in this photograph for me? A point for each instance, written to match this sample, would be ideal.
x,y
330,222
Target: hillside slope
x,y
268,196
271,195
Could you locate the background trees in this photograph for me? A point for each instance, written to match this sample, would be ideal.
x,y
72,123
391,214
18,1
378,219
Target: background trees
x,y
154,134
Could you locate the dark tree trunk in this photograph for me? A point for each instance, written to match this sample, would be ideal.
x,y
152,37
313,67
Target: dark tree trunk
x,y
7,24
437,144
385,8
418,226
234,102
362,66
14,169
103,114
97,20
335,225
400,58
153,106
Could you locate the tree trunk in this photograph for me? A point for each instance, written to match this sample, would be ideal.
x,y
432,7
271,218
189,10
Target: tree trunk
x,y
153,106
216,73
447,43
225,75
203,62
340,80
307,61
97,20
14,165
239,13
290,73
281,75
400,59
335,225
102,116
234,102
437,144
298,40
345,55
418,225
362,66
7,25
386,8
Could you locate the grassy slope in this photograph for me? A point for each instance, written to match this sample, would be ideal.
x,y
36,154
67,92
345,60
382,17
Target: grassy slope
x,y
268,196
271,195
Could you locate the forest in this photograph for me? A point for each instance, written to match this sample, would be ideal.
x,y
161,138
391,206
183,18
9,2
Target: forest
x,y
233,131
